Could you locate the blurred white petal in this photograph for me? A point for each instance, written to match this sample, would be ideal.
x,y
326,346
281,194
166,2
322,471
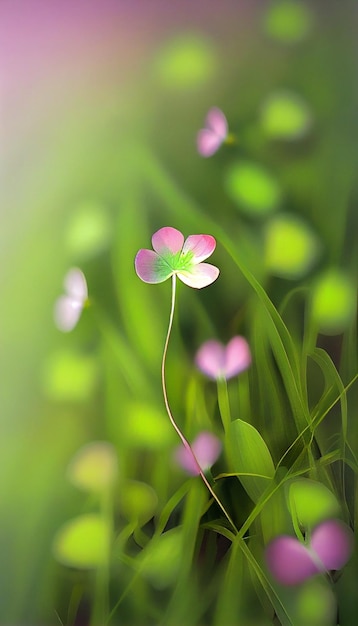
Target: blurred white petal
x,y
66,313
75,285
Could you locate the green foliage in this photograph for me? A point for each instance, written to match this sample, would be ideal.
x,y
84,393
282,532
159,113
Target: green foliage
x,y
99,524
250,455
160,561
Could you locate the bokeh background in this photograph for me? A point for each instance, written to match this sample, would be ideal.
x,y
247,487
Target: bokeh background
x,y
100,105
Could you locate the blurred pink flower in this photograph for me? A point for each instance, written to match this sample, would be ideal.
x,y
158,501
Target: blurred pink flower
x,y
206,447
173,255
292,562
210,138
68,307
223,362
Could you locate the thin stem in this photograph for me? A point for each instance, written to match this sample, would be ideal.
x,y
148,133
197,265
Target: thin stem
x,y
101,600
184,441
224,405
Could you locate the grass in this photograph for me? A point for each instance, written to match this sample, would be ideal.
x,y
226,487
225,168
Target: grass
x,y
154,546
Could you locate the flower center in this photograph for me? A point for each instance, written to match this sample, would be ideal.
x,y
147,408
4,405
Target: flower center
x,y
179,262
184,261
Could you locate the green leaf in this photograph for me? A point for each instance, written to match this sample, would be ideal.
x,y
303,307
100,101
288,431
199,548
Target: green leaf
x,y
332,378
232,593
250,455
282,610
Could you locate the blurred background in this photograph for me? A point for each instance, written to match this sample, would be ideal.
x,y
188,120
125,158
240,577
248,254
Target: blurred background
x,y
101,102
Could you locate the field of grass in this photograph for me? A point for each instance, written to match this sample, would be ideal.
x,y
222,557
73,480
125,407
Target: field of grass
x,y
101,522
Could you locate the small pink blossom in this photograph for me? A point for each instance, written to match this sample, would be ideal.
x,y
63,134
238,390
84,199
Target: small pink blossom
x,y
210,138
223,362
68,307
292,562
206,448
172,255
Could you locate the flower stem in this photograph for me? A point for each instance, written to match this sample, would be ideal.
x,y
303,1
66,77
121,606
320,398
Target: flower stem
x,y
224,406
184,441
101,600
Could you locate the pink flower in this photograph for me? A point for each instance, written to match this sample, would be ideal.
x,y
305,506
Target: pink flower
x,y
206,448
68,307
218,361
210,138
291,562
173,255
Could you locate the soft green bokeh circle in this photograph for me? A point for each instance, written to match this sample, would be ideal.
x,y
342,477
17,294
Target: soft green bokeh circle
x,y
254,190
146,427
138,501
83,542
316,603
88,231
284,115
69,375
333,302
186,61
161,558
94,467
288,21
290,247
311,502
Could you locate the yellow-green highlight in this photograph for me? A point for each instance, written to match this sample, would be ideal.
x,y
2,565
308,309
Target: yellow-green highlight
x,y
291,248
252,188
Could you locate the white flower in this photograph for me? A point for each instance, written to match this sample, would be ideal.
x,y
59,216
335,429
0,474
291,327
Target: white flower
x,y
68,307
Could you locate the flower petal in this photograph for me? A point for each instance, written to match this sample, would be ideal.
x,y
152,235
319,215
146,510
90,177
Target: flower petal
x,y
66,313
217,122
289,561
151,268
166,240
237,357
186,459
75,285
202,246
206,448
199,276
332,541
210,359
207,142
